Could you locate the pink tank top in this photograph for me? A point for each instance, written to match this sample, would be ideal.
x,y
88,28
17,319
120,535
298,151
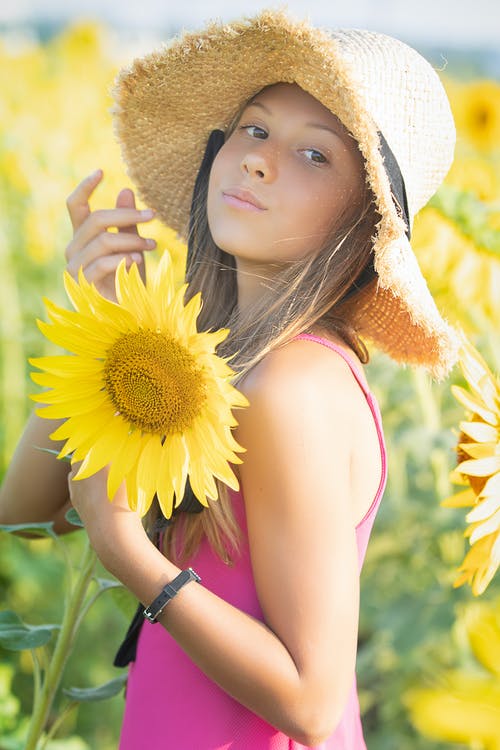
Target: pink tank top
x,y
172,705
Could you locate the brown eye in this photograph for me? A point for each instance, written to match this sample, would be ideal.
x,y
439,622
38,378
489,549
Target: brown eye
x,y
255,131
315,156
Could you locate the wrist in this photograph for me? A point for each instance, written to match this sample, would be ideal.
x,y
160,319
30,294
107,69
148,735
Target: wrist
x,y
118,545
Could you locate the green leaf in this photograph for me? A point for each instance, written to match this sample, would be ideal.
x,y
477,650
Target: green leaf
x,y
53,453
15,635
39,529
124,601
108,690
72,517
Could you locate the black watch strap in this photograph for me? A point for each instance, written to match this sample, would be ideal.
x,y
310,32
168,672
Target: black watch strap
x,y
168,592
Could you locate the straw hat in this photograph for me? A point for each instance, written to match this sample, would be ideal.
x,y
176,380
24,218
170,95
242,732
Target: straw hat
x,y
169,101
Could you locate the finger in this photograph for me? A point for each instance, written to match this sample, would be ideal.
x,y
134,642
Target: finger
x,y
108,243
107,265
100,221
126,199
77,202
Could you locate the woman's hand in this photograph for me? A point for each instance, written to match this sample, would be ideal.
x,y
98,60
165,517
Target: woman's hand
x,y
115,531
93,247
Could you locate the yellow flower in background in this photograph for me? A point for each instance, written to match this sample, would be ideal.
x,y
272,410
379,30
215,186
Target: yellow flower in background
x,y
463,277
476,174
482,622
476,107
142,390
479,469
461,706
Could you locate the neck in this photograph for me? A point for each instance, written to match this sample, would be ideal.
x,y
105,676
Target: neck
x,y
253,281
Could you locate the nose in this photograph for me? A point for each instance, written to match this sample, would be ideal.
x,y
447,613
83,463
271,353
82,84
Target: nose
x,y
259,163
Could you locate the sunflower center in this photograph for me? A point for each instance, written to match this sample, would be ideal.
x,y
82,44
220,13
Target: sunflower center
x,y
483,117
154,382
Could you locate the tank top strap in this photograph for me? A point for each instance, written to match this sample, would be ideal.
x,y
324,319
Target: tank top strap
x,y
354,367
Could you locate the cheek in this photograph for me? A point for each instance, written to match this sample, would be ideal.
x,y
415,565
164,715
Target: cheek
x,y
311,212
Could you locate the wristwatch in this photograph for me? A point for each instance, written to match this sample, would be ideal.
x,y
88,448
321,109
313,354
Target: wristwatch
x,y
168,592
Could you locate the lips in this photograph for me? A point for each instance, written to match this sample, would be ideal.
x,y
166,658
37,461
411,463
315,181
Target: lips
x,y
241,198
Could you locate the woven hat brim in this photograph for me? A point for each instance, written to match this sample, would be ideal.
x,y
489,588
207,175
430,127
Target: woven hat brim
x,y
168,102
408,328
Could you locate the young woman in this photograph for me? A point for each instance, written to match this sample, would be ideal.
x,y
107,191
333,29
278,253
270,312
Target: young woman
x,y
318,150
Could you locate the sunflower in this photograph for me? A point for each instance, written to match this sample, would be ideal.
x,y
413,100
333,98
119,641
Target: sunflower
x,y
463,276
476,107
462,705
141,390
479,470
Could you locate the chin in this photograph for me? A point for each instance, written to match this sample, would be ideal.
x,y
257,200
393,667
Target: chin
x,y
232,240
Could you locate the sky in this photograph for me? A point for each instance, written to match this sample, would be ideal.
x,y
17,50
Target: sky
x,y
451,23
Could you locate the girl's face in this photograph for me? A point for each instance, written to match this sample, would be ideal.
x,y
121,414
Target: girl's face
x,y
284,179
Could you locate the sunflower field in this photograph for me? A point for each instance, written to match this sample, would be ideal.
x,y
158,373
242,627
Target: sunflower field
x,y
429,648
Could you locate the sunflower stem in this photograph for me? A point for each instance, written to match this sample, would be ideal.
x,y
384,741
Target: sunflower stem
x,y
37,677
58,723
62,649
88,604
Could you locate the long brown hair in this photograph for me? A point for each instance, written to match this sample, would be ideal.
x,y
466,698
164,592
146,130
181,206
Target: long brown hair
x,y
305,293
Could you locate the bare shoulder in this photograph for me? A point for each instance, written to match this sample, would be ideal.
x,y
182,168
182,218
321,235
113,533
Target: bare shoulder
x,y
301,374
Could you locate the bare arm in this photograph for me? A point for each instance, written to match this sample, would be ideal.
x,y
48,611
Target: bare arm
x,y
35,487
295,669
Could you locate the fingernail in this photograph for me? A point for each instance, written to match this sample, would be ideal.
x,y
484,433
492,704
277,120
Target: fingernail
x,y
150,243
95,174
136,257
147,213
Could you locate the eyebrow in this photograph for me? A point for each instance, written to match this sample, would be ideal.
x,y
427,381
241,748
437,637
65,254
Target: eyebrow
x,y
317,125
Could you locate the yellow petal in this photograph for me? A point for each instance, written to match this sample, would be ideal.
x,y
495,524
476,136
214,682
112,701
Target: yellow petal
x,y
480,432
162,283
72,408
175,464
132,295
460,500
473,405
72,340
103,450
165,485
191,312
484,509
84,425
483,630
485,528
125,462
479,450
469,715
148,464
492,486
132,491
64,388
67,365
197,481
480,467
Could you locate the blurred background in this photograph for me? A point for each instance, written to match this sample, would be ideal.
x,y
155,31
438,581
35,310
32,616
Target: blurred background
x,y
58,60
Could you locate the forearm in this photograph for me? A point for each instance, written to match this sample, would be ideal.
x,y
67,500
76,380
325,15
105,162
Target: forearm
x,y
35,485
238,652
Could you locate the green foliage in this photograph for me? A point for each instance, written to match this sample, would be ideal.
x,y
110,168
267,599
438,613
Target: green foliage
x,y
103,692
15,635
32,574
472,216
408,605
